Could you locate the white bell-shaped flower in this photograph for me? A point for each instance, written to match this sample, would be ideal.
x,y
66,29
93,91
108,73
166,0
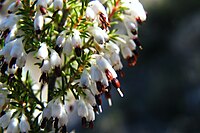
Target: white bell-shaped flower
x,y
82,108
90,14
96,74
13,7
126,52
85,79
97,7
91,114
104,65
24,125
63,118
21,61
89,97
61,38
55,59
13,126
58,4
9,21
76,39
38,22
17,48
5,119
67,48
46,66
2,100
43,51
12,35
100,36
57,108
7,48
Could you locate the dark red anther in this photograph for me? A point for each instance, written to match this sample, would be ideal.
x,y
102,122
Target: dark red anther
x,y
103,21
139,20
91,124
56,123
38,31
108,74
107,94
135,53
2,113
121,73
99,86
134,31
84,122
59,49
138,43
58,71
108,88
71,108
43,10
5,33
64,129
132,61
78,51
49,124
11,77
98,99
116,83
4,67
43,124
9,12
44,78
12,62
95,108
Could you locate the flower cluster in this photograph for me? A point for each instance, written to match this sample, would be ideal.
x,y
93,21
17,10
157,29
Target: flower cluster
x,y
78,51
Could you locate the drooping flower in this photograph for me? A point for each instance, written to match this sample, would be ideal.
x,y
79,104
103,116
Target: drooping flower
x,y
24,125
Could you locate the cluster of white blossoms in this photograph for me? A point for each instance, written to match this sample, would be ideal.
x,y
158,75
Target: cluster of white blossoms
x,y
76,43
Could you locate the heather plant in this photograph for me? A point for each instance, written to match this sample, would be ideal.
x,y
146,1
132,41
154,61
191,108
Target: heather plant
x,y
77,46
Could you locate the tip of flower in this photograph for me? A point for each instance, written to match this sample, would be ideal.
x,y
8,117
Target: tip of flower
x,y
109,102
100,109
141,48
120,92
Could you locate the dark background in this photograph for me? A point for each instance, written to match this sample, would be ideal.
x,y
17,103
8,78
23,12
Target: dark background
x,y
162,92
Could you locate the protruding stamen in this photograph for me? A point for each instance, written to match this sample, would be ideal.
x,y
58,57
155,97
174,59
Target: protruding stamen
x,y
109,101
108,74
120,92
84,122
100,109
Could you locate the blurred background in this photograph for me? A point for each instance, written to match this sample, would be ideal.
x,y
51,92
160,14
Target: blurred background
x,y
162,92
